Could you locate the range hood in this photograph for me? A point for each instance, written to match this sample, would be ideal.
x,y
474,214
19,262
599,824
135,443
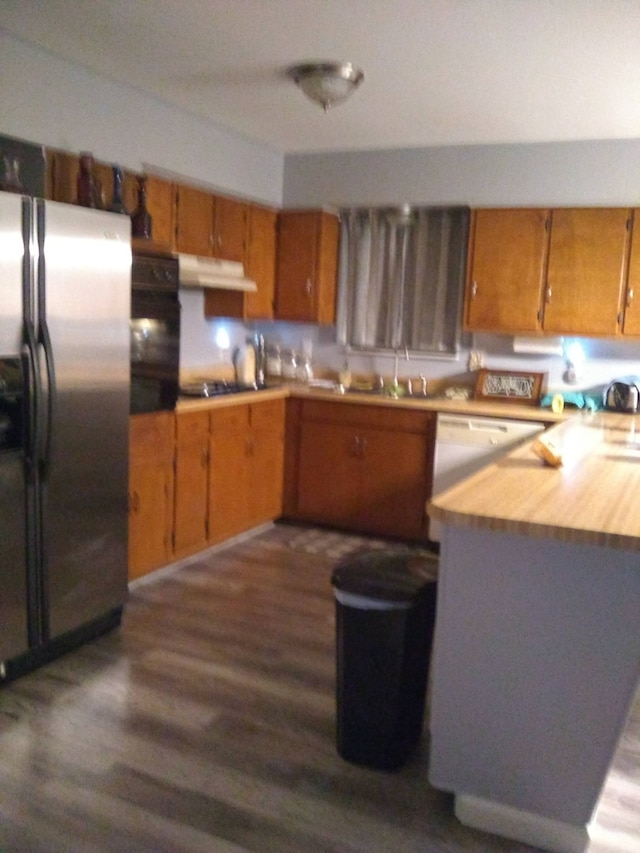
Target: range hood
x,y
196,271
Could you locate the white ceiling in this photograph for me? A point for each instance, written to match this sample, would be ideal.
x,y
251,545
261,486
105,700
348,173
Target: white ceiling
x,y
437,72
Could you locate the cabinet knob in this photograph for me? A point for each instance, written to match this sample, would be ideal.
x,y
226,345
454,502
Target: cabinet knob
x,y
308,287
629,297
549,294
474,289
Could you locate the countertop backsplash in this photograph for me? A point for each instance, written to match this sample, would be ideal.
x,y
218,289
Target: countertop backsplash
x,y
200,351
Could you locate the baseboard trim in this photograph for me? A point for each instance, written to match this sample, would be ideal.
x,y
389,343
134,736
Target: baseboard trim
x,y
553,835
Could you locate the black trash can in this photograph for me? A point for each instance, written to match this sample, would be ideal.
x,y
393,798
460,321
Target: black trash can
x,y
385,616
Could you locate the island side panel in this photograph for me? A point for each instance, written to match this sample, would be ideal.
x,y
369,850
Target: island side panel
x,y
536,660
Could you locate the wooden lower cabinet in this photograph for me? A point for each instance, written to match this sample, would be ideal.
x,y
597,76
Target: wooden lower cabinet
x,y
191,482
246,450
198,478
365,468
151,447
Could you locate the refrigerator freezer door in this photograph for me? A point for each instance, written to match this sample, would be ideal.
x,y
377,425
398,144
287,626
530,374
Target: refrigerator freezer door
x,y
13,575
84,312
13,571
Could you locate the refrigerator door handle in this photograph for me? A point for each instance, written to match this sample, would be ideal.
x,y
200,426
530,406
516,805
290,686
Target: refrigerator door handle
x,y
29,353
44,341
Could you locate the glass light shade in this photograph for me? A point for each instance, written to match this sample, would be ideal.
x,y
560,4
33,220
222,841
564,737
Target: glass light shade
x,y
326,83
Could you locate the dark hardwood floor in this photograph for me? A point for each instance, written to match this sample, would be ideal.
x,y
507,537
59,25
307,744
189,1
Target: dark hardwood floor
x,y
206,723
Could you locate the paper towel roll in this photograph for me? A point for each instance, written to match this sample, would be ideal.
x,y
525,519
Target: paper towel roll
x,y
538,346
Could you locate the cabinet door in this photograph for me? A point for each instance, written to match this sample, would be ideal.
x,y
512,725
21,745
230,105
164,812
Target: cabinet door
x,y
63,167
161,202
328,474
151,449
230,229
266,458
261,262
394,484
192,481
229,477
194,221
632,309
587,267
306,266
505,280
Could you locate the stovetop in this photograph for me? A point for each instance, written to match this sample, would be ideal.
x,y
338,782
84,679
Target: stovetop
x,y
215,388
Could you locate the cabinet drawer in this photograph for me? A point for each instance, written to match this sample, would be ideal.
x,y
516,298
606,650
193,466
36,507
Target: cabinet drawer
x,y
192,426
229,419
267,415
151,435
362,415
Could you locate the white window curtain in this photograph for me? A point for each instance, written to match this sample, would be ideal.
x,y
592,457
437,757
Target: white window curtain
x,y
401,278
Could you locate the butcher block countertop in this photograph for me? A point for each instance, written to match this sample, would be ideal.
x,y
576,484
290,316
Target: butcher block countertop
x,y
593,498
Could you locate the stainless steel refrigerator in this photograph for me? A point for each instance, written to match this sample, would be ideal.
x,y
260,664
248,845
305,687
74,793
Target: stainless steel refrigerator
x,y
65,279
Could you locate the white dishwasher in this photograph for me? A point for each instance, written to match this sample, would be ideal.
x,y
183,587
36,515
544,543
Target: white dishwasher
x,y
465,444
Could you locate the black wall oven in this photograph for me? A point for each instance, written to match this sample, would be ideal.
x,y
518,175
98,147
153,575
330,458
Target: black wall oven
x,y
155,333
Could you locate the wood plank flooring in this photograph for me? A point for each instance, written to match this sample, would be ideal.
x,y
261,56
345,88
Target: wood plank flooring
x,y
206,723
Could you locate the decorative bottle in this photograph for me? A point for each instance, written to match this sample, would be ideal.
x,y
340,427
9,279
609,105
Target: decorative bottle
x,y
117,205
10,182
141,218
86,185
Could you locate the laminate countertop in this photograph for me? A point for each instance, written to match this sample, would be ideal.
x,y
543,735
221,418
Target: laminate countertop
x,y
593,498
430,403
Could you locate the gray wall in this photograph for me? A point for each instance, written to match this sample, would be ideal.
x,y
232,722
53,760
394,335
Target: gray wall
x,y
44,99
557,174
47,100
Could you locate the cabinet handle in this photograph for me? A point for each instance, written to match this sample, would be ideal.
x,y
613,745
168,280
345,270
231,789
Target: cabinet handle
x,y
629,297
474,289
549,294
308,287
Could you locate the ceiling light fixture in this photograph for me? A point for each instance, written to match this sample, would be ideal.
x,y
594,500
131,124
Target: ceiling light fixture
x,y
326,83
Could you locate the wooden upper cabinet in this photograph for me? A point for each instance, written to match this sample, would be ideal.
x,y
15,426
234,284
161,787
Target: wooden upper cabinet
x,y
307,262
632,303
161,204
62,176
586,275
194,221
62,180
229,229
261,262
506,270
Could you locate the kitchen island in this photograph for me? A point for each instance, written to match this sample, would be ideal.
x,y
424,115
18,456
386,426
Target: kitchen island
x,y
537,647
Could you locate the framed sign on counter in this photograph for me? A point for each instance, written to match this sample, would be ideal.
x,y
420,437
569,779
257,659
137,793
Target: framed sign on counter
x,y
510,386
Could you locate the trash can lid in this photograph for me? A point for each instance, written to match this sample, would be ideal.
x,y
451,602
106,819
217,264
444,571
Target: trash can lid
x,y
384,575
